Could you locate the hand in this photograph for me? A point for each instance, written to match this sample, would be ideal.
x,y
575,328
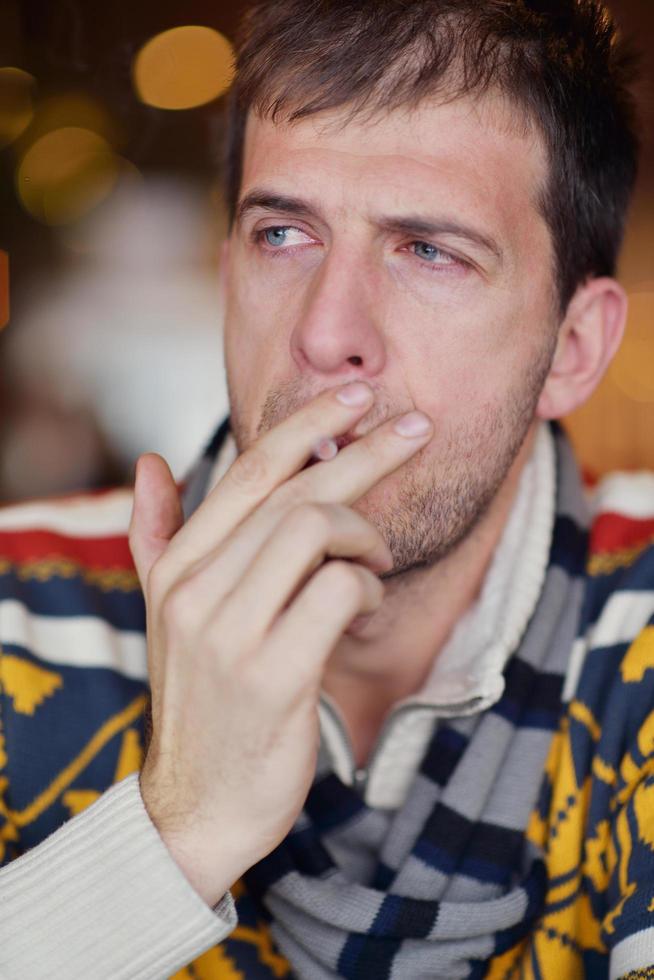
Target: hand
x,y
245,602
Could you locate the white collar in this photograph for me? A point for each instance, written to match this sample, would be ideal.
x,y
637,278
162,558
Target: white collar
x,y
469,668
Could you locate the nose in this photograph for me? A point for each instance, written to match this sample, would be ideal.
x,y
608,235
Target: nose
x,y
337,328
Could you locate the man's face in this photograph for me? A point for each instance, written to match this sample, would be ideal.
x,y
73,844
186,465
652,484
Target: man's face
x,y
351,282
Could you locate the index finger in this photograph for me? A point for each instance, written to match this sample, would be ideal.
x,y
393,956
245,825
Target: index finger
x,y
269,462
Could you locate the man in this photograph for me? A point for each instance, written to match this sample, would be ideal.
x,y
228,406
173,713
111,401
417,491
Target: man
x,y
401,698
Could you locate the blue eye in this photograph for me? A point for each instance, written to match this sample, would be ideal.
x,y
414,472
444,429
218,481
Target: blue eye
x,y
430,252
275,236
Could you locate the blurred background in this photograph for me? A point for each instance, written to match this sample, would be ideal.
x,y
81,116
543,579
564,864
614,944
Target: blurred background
x,y
111,123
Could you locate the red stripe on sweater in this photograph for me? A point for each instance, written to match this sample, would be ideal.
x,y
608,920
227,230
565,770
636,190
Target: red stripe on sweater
x,y
105,552
613,532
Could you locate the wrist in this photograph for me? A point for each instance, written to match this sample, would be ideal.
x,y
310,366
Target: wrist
x,y
210,877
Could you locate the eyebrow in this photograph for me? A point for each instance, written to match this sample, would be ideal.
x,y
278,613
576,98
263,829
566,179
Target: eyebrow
x,y
411,224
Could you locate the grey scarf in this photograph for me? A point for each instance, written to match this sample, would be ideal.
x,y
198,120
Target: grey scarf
x,y
451,879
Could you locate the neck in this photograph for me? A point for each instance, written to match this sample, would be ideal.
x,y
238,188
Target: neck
x,y
391,657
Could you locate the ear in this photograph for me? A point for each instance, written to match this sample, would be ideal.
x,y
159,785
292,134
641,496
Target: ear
x,y
588,340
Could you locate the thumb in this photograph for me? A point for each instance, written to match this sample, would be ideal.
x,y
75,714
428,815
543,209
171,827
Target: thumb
x,y
156,513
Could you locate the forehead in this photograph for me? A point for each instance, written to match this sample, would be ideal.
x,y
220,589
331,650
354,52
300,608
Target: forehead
x,y
467,155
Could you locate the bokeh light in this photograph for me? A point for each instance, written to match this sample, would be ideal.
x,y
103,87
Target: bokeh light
x,y
183,67
65,174
72,109
631,370
16,103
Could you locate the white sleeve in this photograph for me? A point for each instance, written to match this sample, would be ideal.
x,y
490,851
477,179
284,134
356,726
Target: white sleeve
x,y
103,897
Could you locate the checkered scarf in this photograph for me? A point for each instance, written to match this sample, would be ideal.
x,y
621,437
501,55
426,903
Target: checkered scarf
x,y
448,880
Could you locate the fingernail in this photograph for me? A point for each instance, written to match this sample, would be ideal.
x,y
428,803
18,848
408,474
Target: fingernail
x,y
413,424
355,393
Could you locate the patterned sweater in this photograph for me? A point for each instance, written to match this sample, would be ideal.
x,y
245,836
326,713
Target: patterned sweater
x,y
87,888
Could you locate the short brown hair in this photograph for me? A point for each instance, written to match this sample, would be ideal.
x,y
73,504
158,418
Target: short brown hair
x,y
560,62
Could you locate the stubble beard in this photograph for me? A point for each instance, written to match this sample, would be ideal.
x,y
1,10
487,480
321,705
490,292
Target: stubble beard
x,y
435,508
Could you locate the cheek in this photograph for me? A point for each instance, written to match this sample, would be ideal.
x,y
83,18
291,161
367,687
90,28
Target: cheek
x,y
253,347
263,298
452,356
244,361
249,315
483,337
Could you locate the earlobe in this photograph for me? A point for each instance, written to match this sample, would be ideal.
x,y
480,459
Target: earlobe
x,y
588,340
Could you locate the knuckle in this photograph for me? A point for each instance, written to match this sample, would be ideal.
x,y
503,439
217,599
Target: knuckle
x,y
251,468
177,609
312,520
293,493
212,643
343,579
